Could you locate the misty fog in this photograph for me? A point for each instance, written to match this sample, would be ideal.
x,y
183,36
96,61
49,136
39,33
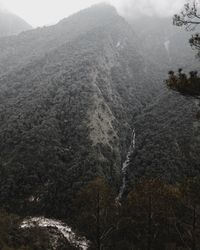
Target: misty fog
x,y
40,13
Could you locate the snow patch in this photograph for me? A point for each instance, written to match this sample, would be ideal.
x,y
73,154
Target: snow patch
x,y
167,44
118,44
121,44
66,231
167,48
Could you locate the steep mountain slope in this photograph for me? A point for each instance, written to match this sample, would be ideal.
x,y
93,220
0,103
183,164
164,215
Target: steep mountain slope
x,y
164,44
66,113
167,130
28,46
70,96
11,24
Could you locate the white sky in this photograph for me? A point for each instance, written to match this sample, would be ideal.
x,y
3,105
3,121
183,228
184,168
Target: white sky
x,y
45,12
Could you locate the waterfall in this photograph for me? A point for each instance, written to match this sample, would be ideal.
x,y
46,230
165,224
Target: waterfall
x,y
125,166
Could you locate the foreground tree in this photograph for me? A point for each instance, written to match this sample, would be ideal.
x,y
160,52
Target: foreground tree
x,y
185,84
190,18
96,213
12,237
151,215
155,215
190,220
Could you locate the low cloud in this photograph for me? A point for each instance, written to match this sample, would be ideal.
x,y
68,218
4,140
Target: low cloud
x,y
134,8
42,12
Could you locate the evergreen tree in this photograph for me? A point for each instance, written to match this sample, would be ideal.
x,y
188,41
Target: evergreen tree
x,y
191,220
151,207
190,18
96,213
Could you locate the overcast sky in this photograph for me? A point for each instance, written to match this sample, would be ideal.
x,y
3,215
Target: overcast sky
x,y
45,12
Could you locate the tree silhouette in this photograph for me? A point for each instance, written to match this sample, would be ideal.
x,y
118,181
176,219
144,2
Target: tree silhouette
x,y
96,214
190,18
181,82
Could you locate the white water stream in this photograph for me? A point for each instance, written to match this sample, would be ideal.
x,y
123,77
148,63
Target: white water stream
x,y
66,231
125,166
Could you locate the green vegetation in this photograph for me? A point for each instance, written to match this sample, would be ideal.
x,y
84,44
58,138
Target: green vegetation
x,y
190,18
65,109
95,212
189,85
70,95
69,98
12,237
155,215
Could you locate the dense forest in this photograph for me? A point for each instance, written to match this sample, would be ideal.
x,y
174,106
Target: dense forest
x,y
71,96
66,117
189,85
154,215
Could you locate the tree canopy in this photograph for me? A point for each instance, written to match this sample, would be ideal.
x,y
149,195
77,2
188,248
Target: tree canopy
x,y
186,84
190,18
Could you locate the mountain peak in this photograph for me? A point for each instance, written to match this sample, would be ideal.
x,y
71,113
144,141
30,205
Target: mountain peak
x,y
97,11
11,24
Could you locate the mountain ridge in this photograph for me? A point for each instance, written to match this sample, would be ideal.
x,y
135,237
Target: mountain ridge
x,y
11,24
69,112
71,95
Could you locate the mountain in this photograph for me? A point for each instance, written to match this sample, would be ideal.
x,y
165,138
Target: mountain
x,y
11,24
167,130
71,96
67,99
162,43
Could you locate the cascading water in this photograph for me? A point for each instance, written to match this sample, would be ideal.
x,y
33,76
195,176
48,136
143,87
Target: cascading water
x,y
125,166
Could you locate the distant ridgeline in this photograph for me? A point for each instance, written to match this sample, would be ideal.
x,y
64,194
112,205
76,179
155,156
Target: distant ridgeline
x,y
186,84
11,24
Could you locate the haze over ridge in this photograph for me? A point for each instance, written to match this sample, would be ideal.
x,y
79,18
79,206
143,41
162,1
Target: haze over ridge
x,y
39,13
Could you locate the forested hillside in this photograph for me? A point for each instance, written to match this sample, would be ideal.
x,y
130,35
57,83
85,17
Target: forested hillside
x,y
163,44
167,130
67,112
84,113
70,97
